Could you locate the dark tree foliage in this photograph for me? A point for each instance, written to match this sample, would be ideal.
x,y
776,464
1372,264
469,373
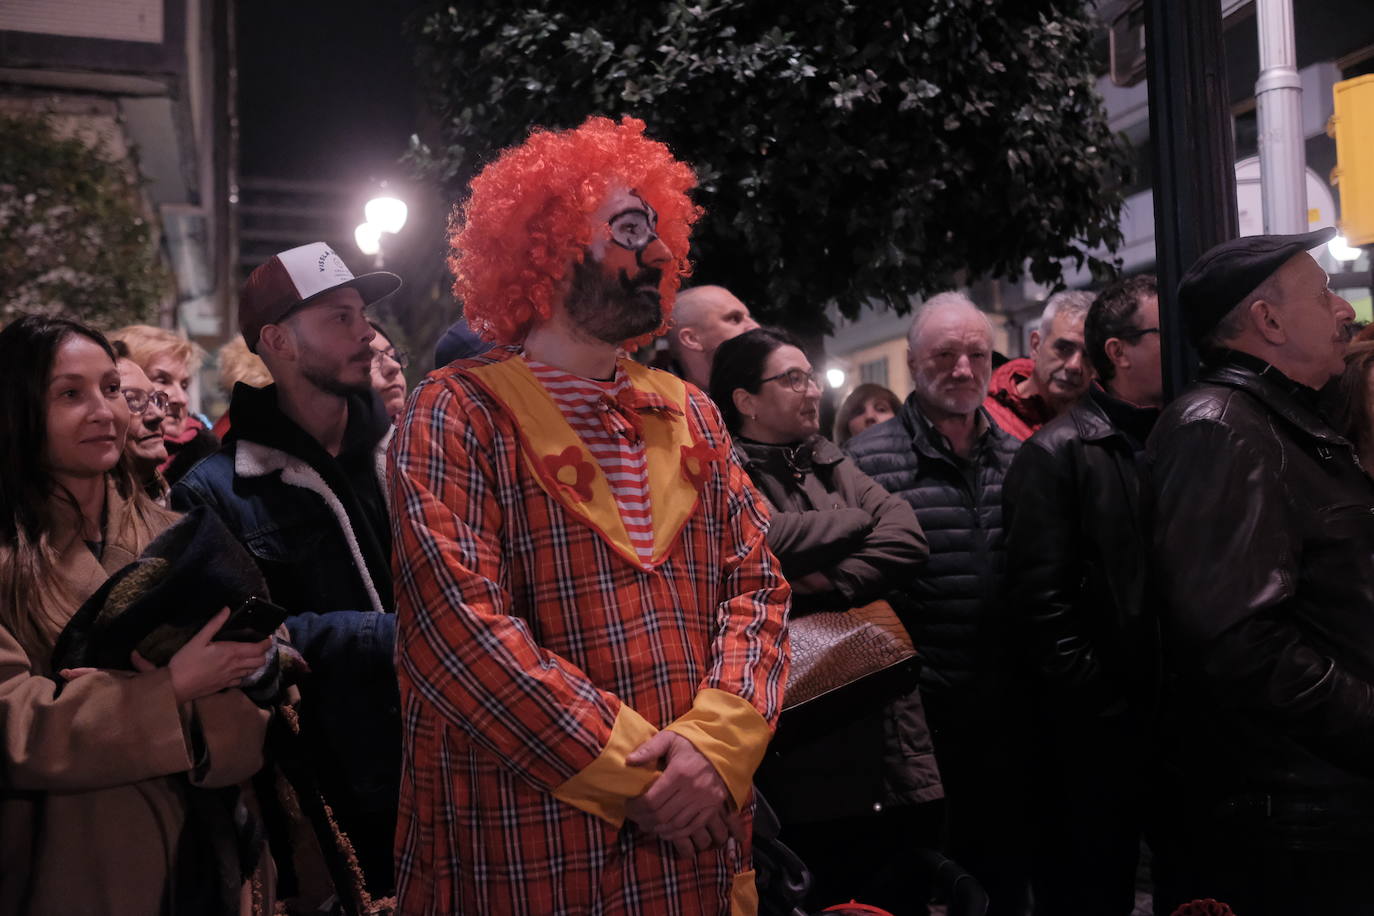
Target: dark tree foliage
x,y
847,152
76,239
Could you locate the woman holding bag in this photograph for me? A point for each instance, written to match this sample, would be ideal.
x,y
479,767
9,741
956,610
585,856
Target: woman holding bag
x,y
852,791
96,771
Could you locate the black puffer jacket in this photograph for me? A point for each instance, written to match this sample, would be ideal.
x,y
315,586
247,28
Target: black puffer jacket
x,y
1077,561
953,603
1263,539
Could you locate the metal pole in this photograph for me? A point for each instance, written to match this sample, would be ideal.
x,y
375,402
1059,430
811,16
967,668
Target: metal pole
x,y
1194,158
1278,95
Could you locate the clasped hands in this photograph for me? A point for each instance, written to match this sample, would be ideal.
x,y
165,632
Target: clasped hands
x,y
688,805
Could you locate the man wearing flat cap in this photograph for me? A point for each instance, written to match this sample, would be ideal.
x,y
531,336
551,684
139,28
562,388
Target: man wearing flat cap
x,y
1264,551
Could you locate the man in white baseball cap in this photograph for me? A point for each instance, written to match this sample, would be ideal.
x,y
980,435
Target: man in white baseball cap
x,y
299,481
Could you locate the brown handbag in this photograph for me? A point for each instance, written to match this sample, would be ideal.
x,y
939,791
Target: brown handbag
x,y
833,649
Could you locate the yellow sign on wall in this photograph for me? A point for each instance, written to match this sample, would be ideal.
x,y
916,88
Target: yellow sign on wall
x,y
1353,128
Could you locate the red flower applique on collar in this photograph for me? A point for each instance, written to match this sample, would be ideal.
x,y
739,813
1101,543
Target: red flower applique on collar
x,y
697,460
572,472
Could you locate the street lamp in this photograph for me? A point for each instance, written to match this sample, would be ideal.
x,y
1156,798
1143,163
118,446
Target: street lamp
x,y
386,213
1341,250
369,239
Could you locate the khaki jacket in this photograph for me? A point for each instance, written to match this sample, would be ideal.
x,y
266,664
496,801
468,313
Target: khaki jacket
x,y
92,802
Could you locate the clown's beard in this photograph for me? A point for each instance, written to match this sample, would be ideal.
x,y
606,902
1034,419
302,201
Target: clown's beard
x,y
614,309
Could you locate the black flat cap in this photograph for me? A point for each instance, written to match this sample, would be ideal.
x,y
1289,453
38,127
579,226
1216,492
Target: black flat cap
x,y
1226,274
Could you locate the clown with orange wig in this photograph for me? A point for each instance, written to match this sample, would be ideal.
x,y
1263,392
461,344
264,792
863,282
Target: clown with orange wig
x,y
590,638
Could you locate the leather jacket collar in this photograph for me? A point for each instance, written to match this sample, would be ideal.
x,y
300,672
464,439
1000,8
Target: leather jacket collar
x,y
1095,423
1294,402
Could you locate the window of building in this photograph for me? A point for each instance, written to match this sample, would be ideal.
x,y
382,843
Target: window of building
x,y
874,372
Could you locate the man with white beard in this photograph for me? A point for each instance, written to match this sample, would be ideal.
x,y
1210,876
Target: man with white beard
x,y
944,455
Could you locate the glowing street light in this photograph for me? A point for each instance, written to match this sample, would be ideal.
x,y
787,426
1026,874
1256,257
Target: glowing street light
x,y
1341,250
369,238
386,213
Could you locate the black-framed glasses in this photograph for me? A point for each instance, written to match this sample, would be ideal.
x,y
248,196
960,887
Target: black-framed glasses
x,y
139,400
1137,334
401,357
797,379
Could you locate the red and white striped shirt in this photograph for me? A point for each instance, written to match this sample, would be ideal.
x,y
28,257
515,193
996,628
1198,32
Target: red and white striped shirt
x,y
591,409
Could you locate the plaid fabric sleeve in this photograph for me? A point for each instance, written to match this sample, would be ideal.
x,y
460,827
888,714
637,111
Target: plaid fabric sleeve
x,y
458,645
740,697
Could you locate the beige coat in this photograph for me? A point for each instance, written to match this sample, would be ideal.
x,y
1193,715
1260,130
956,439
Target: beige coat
x,y
90,803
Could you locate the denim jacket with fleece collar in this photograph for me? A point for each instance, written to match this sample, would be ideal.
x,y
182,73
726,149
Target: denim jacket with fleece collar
x,y
292,507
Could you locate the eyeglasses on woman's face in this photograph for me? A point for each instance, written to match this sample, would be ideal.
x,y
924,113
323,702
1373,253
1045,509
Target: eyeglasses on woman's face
x,y
796,379
400,357
139,400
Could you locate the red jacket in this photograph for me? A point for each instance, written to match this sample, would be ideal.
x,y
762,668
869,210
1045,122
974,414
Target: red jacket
x,y
1020,416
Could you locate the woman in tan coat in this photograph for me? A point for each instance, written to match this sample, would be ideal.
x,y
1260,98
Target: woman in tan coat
x,y
95,777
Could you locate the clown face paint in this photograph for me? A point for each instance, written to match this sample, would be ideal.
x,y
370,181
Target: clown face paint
x,y
615,292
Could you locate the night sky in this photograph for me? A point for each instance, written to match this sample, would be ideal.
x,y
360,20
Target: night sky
x,y
327,90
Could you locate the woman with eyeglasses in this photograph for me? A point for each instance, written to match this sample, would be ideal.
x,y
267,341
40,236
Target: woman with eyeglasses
x,y
171,361
98,765
144,448
852,795
387,378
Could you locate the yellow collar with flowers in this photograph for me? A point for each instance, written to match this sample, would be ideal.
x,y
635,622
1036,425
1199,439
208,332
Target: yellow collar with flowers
x,y
679,463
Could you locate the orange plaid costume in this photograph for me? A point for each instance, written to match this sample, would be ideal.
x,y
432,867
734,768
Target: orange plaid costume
x,y
535,650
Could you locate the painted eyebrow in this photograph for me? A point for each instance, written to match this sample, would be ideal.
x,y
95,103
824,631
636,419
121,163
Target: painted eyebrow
x,y
635,211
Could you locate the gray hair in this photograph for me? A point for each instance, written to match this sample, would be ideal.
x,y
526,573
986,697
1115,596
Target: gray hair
x,y
941,302
1072,302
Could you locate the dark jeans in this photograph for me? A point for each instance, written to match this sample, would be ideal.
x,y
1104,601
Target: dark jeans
x,y
869,859
1263,858
982,749
1088,805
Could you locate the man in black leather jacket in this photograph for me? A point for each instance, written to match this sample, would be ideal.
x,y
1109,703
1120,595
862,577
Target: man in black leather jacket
x,y
1076,588
1264,548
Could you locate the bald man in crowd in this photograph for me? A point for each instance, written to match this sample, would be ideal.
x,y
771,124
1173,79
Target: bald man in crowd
x,y
704,317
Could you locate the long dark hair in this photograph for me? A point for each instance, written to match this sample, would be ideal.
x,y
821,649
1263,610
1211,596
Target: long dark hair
x,y
29,494
738,363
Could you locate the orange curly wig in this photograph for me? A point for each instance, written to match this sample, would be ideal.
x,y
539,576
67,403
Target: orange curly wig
x,y
513,246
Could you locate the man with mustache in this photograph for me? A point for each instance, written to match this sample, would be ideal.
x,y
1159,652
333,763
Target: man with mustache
x,y
944,455
300,481
590,636
1027,393
1263,534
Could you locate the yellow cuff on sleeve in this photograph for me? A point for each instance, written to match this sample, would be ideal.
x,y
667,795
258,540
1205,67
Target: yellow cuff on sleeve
x,y
729,732
603,786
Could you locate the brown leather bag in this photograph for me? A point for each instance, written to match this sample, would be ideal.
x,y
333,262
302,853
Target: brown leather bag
x,y
833,649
